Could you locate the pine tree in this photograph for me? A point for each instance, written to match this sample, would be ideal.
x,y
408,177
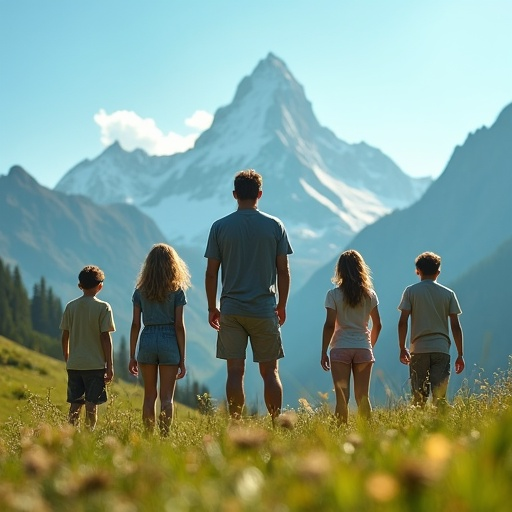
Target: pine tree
x,y
121,359
20,304
54,314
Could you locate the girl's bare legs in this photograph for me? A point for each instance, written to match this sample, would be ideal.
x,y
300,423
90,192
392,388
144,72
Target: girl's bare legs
x,y
341,379
149,377
362,373
168,375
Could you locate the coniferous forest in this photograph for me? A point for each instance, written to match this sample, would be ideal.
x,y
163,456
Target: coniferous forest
x,y
33,323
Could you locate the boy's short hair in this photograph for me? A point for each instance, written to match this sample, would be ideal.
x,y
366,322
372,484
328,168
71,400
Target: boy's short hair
x,y
90,276
428,263
248,184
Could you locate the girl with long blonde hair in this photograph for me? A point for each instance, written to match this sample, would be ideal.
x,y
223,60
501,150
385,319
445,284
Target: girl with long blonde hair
x,y
346,332
158,300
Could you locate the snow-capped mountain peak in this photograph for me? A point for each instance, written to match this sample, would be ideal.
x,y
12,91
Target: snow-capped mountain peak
x,y
323,188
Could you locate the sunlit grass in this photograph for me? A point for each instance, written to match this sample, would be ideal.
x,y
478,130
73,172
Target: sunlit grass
x,y
458,458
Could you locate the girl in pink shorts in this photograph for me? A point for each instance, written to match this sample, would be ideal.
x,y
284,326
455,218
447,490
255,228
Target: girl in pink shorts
x,y
347,333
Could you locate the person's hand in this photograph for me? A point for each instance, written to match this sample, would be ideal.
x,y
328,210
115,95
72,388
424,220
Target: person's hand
x,y
325,363
214,318
405,356
109,375
133,367
181,370
281,314
459,364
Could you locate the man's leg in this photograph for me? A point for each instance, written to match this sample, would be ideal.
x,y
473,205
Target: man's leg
x,y
273,389
235,387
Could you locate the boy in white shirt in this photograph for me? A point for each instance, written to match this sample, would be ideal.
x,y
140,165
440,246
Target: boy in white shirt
x,y
430,305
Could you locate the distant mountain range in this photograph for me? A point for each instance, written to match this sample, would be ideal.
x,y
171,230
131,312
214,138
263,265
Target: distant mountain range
x,y
269,126
466,217
331,196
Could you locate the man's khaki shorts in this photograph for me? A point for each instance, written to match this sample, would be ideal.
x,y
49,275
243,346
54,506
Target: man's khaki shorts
x,y
263,333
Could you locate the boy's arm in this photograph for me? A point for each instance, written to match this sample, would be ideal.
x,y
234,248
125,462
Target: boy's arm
x,y
458,338
65,344
106,344
405,356
179,326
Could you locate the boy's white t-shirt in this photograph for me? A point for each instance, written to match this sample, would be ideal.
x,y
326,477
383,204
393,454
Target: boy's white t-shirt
x,y
86,318
430,304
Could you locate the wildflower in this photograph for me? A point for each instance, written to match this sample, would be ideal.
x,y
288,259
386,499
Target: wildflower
x,y
355,439
348,448
287,419
305,405
314,466
94,480
382,487
247,437
438,448
416,474
37,461
249,483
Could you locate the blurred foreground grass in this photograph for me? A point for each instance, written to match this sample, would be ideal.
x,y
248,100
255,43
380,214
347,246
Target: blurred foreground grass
x,y
456,459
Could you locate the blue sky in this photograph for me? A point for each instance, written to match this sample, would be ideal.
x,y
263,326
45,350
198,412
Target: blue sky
x,y
411,78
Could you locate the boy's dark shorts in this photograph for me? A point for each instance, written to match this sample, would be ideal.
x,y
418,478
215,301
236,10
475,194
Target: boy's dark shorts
x,y
87,386
429,371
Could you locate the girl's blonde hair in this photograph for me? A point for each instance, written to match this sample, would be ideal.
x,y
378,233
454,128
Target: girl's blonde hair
x,y
353,276
162,272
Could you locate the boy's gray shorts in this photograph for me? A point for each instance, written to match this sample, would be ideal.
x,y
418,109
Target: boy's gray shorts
x,y
429,371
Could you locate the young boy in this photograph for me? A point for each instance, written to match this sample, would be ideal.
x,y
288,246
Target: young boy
x,y
87,347
430,305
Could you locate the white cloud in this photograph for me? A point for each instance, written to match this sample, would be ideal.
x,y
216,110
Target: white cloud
x,y
200,120
134,132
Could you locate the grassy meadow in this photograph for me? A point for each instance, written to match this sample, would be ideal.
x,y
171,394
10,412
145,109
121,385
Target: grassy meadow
x,y
405,459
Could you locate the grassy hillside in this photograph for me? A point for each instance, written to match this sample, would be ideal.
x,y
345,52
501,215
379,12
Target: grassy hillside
x,y
28,377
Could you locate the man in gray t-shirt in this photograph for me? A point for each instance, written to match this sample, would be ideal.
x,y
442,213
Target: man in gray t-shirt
x,y
430,305
251,249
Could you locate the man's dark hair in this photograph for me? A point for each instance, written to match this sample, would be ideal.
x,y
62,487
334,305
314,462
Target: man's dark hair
x,y
248,184
90,276
428,263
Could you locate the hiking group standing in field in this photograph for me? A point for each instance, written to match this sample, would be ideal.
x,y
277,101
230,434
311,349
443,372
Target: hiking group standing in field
x,y
250,249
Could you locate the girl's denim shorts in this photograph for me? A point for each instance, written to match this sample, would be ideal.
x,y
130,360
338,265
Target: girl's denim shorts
x,y
158,345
